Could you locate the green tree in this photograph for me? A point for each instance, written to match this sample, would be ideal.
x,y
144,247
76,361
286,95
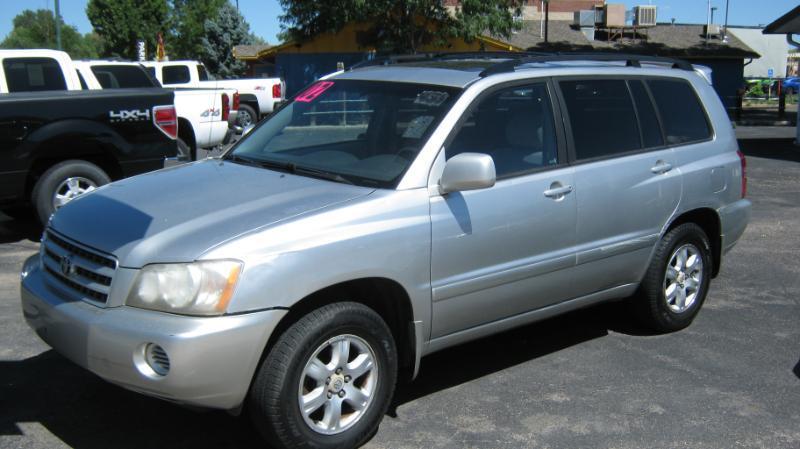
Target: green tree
x,y
187,20
400,26
226,29
121,23
37,29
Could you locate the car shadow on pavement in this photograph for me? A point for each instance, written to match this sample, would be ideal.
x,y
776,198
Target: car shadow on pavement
x,y
84,411
781,149
457,365
14,230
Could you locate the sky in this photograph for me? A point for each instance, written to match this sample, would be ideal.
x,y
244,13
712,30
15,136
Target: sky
x,y
263,14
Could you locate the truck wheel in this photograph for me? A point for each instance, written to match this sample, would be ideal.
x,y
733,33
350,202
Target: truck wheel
x,y
327,381
62,183
247,116
185,152
676,282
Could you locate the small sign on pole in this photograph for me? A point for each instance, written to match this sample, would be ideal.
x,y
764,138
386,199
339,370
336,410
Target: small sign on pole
x,y
770,73
142,50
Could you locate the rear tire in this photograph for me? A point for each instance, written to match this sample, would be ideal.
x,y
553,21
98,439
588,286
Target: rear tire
x,y
246,116
64,182
345,398
677,280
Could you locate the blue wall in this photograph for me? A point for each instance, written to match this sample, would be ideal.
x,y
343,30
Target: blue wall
x,y
301,69
728,77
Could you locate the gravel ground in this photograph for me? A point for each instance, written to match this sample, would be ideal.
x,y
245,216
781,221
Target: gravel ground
x,y
586,379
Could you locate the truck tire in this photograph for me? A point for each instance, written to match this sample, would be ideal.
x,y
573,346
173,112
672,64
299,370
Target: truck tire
x,y
185,152
676,282
340,361
247,116
63,182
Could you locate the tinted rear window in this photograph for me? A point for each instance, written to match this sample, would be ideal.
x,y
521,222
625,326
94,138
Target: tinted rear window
x,y
682,115
175,74
33,74
648,121
201,73
121,76
601,116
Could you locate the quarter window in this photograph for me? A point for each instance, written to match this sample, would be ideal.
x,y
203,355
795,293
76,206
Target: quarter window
x,y
175,74
33,74
515,126
648,121
682,114
601,116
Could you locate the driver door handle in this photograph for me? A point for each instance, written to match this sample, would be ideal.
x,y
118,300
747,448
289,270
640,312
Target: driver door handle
x,y
557,192
661,167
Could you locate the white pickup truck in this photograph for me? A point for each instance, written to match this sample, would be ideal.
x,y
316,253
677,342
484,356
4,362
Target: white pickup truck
x,y
205,116
258,96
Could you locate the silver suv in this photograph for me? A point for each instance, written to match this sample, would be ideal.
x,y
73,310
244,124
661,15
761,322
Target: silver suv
x,y
386,213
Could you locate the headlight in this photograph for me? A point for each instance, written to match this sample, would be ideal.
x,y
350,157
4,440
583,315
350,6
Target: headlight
x,y
199,288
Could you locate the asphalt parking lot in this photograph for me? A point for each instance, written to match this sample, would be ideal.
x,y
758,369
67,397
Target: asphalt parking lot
x,y
586,379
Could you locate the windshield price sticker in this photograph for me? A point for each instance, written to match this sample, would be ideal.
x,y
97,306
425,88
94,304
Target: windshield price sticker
x,y
310,94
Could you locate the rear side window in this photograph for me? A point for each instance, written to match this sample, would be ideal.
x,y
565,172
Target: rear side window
x,y
601,116
648,121
33,74
681,113
513,125
175,74
201,72
121,76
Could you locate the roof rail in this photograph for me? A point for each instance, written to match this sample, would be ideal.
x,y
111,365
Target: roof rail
x,y
630,61
399,59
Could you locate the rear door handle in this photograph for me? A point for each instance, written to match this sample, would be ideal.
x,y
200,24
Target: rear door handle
x,y
557,191
661,167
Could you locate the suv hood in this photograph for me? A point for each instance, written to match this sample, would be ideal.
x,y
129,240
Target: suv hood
x,y
177,214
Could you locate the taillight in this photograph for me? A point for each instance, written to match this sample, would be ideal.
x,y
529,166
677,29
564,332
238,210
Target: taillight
x,y
166,119
226,108
743,161
235,101
276,90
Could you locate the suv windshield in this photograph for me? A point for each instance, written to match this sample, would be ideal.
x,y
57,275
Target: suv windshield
x,y
361,132
121,76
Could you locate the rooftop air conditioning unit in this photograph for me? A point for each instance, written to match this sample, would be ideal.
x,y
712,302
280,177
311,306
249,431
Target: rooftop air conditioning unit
x,y
644,16
599,16
614,15
711,30
584,18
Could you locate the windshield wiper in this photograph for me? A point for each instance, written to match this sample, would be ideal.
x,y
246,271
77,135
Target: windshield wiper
x,y
317,173
290,167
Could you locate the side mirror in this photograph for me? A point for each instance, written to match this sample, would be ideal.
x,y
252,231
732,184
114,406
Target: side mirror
x,y
467,171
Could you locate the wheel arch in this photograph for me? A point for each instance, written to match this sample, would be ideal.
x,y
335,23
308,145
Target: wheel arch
x,y
385,296
708,219
52,153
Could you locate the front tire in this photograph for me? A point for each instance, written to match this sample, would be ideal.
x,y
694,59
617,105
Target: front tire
x,y
64,182
327,381
677,280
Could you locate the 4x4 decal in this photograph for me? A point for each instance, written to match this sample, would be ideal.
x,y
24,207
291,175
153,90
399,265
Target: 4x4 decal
x,y
132,115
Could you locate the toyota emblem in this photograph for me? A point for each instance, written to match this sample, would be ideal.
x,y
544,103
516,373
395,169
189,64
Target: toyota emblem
x,y
67,268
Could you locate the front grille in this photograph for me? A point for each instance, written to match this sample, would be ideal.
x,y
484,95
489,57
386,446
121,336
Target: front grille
x,y
86,273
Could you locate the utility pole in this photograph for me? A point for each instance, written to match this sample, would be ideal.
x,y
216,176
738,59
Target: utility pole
x,y
58,25
708,19
546,18
725,29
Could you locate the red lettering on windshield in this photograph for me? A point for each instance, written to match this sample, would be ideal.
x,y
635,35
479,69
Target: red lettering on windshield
x,y
310,94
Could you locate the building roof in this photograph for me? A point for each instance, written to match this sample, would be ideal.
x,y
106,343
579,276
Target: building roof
x,y
788,23
678,40
249,51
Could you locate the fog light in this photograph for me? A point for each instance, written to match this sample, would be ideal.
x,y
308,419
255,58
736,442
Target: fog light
x,y
157,359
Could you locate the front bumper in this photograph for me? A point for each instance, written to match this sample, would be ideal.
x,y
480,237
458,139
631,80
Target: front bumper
x,y
212,360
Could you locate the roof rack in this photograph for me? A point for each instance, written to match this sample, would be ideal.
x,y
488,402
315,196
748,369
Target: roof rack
x,y
515,59
630,61
400,59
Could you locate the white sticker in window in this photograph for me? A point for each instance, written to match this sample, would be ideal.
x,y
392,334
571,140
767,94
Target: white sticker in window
x,y
432,98
417,127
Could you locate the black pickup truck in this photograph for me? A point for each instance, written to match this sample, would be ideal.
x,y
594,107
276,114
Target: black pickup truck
x,y
56,145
